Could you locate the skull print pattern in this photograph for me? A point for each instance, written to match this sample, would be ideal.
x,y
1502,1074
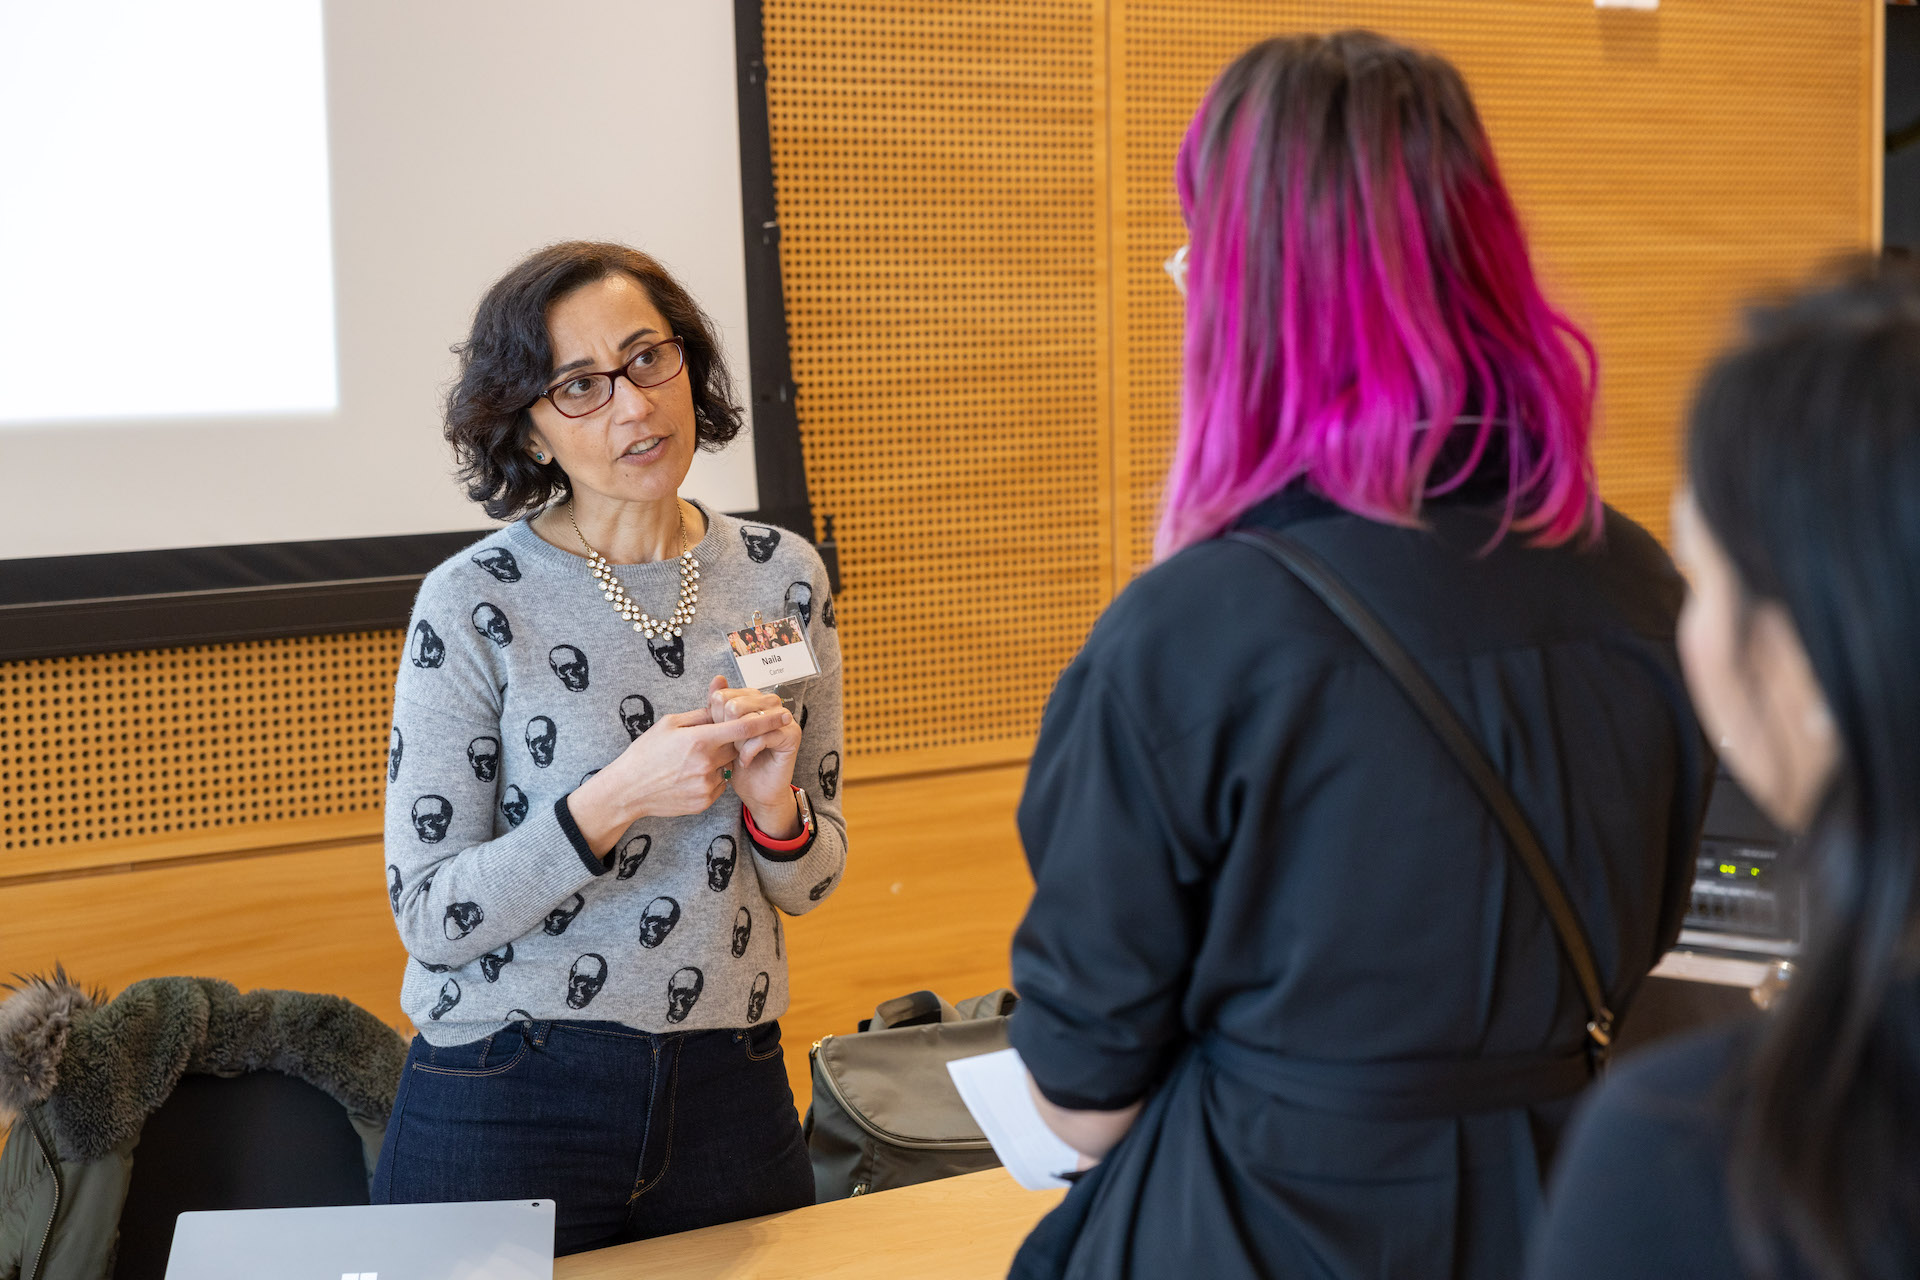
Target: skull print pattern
x,y
494,961
657,919
670,652
632,854
499,562
491,623
570,664
799,600
449,997
584,980
462,919
561,916
761,541
683,991
431,817
691,940
757,996
636,715
483,757
426,649
721,856
542,735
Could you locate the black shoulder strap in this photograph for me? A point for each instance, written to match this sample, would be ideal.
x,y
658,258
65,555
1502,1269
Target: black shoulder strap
x,y
1320,578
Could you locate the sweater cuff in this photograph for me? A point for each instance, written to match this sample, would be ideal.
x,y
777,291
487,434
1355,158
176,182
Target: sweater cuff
x,y
779,850
598,865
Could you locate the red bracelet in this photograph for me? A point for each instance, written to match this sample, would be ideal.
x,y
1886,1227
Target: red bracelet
x,y
768,842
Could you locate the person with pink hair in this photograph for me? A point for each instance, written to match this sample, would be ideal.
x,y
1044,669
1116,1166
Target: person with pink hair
x,y
1287,981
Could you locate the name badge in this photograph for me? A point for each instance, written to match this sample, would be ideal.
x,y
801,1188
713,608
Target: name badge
x,y
771,653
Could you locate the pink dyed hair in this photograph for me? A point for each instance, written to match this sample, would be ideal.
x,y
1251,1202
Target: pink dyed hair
x,y
1358,272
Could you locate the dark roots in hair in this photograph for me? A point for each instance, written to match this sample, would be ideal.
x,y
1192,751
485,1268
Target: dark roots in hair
x,y
507,358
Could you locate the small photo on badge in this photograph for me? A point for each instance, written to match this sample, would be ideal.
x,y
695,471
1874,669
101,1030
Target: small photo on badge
x,y
771,653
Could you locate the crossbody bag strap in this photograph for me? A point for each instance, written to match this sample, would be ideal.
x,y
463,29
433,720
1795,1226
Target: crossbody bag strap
x,y
1320,578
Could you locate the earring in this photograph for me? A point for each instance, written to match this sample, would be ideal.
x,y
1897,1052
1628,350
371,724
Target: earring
x,y
538,456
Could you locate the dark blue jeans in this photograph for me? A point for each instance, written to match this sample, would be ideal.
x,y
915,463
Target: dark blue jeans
x,y
632,1135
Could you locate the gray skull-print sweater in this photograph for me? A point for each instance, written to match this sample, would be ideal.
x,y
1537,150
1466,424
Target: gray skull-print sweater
x,y
518,682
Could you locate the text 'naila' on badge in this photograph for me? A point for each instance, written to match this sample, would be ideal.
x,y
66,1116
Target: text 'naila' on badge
x,y
771,653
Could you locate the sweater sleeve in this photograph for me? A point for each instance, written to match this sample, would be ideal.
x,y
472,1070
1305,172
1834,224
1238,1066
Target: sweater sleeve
x,y
458,886
799,882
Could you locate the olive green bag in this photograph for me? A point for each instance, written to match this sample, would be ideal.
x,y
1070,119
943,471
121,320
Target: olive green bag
x,y
885,1113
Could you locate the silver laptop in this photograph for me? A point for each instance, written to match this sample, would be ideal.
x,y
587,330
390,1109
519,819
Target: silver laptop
x,y
484,1240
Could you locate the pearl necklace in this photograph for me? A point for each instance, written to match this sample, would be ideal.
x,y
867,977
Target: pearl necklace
x,y
610,587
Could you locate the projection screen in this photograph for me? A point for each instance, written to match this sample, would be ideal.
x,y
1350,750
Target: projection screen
x,y
238,240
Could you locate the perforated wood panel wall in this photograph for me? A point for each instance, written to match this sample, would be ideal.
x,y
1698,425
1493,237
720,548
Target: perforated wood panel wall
x,y
940,180
192,750
976,199
1668,164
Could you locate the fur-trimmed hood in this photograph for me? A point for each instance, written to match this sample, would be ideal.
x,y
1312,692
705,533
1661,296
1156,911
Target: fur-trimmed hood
x,y
101,1067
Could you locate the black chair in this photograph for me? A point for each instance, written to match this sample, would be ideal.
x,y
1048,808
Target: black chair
x,y
256,1141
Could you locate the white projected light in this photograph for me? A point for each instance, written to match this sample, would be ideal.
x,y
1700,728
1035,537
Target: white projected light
x,y
239,239
165,244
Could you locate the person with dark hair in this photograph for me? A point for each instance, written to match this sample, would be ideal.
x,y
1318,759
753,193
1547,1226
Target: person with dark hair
x,y
1284,981
587,1034
1790,1145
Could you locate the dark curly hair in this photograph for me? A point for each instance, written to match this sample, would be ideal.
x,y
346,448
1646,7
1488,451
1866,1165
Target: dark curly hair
x,y
507,358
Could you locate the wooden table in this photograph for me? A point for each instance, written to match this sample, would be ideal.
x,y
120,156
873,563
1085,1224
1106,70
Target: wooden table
x,y
957,1227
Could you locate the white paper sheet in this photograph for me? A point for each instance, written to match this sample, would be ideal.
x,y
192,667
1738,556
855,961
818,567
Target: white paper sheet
x,y
994,1087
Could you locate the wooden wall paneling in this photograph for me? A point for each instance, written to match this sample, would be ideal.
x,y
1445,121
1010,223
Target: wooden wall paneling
x,y
1670,171
1155,93
308,921
119,757
975,200
935,884
1668,165
940,174
942,228
1875,128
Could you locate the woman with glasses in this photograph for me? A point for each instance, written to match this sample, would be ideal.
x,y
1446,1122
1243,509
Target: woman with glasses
x,y
1284,982
1790,1146
590,833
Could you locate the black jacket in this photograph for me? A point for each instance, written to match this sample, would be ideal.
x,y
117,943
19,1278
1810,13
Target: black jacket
x,y
1267,897
1641,1187
81,1074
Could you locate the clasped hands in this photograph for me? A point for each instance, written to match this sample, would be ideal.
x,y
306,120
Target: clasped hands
x,y
680,766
